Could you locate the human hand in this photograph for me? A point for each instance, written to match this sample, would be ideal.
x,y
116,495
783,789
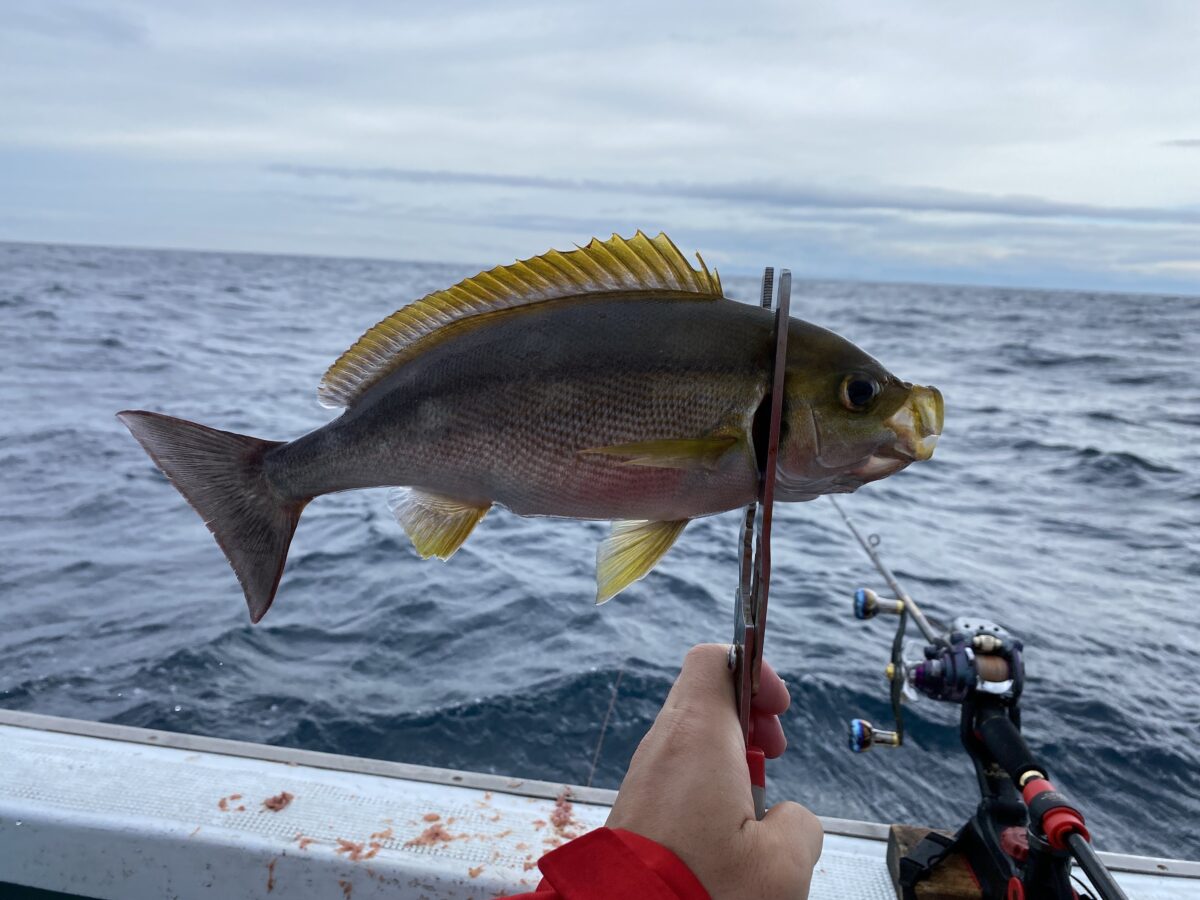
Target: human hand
x,y
688,787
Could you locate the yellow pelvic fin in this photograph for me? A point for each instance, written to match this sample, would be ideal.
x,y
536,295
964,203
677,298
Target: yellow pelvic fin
x,y
639,263
631,551
686,453
436,525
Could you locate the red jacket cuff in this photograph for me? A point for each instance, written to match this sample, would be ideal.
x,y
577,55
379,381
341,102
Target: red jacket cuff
x,y
608,864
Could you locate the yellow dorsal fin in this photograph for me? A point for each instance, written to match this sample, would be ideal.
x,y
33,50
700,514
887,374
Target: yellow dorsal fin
x,y
639,263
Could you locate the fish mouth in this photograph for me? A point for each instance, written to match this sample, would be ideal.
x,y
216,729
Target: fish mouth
x,y
917,425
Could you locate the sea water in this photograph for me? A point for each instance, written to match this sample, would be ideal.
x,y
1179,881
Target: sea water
x,y
1062,502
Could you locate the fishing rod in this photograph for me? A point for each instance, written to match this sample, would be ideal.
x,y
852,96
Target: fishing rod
x,y
867,598
1024,834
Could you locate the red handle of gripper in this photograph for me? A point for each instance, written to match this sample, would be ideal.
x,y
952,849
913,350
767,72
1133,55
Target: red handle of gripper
x,y
756,761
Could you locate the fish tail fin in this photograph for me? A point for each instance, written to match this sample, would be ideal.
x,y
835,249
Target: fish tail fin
x,y
222,476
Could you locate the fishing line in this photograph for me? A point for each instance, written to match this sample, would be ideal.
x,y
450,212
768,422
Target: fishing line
x,y
612,702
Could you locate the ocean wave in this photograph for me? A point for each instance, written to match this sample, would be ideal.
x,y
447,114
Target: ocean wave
x,y
1115,469
1093,466
1032,356
121,607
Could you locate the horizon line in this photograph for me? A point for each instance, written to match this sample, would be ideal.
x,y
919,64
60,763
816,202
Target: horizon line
x,y
736,272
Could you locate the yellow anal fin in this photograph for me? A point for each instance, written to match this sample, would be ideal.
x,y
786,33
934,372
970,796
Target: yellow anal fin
x,y
630,552
436,525
687,453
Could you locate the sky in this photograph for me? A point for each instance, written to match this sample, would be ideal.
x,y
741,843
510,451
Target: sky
x,y
1047,144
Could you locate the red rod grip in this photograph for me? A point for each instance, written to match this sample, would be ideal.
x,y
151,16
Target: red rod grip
x,y
1058,821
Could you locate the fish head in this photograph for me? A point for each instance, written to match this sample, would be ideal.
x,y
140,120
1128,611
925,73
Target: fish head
x,y
847,419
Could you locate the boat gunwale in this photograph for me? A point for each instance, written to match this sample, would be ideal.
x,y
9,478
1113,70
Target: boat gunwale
x,y
522,787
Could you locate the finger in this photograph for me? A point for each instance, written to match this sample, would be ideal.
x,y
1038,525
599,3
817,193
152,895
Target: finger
x,y
772,696
796,833
766,733
705,679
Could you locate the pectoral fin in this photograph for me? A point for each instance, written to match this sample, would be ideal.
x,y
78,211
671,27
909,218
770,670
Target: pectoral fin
x,y
436,525
629,552
673,453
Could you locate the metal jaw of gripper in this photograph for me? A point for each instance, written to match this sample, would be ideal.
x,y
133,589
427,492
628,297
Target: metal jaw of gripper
x,y
750,602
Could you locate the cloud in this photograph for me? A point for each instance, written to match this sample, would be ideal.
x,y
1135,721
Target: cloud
x,y
508,217
72,22
768,194
860,142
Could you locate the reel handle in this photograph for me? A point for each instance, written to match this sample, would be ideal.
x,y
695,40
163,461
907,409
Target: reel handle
x,y
864,736
868,604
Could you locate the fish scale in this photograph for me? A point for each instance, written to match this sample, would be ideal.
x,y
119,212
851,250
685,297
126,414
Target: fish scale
x,y
480,418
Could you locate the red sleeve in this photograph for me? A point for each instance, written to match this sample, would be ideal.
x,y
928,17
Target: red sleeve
x,y
608,864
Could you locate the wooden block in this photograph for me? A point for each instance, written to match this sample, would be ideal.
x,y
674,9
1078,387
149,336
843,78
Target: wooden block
x,y
951,880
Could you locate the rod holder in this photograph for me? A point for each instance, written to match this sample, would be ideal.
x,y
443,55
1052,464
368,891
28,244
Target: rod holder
x,y
864,736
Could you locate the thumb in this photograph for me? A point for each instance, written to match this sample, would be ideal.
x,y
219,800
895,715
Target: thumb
x,y
792,836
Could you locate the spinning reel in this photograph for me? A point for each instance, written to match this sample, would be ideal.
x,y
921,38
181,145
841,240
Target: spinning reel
x,y
1021,840
973,656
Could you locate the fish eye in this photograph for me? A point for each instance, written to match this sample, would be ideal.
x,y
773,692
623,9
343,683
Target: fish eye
x,y
858,391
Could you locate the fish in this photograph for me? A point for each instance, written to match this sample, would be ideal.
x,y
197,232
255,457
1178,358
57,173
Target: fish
x,y
615,381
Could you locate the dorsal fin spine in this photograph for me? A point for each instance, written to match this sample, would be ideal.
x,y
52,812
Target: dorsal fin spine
x,y
592,269
493,284
641,271
608,251
569,270
681,276
640,263
520,270
469,296
537,276
550,269
652,257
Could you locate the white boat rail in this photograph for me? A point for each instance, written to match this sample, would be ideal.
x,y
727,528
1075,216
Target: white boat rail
x,y
111,811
